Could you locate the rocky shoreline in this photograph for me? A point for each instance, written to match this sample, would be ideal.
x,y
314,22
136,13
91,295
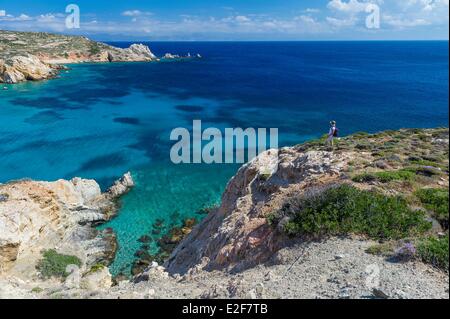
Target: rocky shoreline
x,y
26,56
36,216
240,250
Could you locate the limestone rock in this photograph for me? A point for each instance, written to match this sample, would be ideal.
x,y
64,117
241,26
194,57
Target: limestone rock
x,y
237,234
97,280
88,188
47,215
122,186
142,50
169,56
21,68
136,52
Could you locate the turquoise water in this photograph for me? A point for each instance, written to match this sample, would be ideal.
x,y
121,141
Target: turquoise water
x,y
100,120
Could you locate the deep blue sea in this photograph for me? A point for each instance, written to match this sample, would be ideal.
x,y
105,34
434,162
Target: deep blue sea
x,y
101,120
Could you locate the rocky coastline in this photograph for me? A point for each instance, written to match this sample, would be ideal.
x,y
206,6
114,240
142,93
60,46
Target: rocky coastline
x,y
37,216
242,249
27,56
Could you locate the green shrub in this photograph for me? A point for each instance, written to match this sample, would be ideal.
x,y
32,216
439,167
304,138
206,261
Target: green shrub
x,y
385,249
345,209
435,200
318,141
364,178
360,135
96,267
400,175
428,171
434,251
385,177
363,146
94,49
37,290
54,265
424,162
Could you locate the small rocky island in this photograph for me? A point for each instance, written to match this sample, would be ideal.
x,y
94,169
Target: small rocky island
x,y
32,56
320,226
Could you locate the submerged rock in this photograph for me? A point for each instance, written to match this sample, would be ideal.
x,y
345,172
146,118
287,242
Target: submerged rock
x,y
145,239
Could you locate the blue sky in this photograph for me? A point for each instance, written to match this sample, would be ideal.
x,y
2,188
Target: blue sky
x,y
192,20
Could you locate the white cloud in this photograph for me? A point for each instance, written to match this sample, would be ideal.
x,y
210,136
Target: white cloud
x,y
337,18
341,22
311,10
23,17
416,13
135,13
404,23
11,18
425,5
352,6
2,13
348,14
242,19
46,18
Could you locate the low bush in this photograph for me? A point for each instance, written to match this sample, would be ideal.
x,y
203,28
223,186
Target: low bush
x,y
436,200
385,249
345,209
96,267
385,177
53,264
434,250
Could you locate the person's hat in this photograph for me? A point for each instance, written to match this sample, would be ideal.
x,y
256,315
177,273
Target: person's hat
x,y
333,122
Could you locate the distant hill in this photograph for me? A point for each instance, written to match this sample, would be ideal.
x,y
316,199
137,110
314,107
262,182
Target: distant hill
x,y
33,55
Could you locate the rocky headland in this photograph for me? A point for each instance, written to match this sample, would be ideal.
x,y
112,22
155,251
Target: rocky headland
x,y
32,56
40,216
366,219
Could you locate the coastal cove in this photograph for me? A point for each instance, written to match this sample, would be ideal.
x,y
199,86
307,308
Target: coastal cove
x,y
101,120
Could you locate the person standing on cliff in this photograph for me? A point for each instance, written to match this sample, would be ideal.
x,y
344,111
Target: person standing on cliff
x,y
332,133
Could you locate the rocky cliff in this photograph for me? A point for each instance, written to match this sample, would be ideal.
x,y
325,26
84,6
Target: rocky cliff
x,y
36,216
36,56
238,235
289,226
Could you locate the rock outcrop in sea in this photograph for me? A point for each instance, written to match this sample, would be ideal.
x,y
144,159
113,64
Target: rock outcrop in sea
x,y
27,67
29,56
136,52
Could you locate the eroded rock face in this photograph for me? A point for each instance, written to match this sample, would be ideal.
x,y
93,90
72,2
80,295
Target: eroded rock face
x,y
237,234
136,52
97,280
37,56
121,186
142,50
47,215
21,68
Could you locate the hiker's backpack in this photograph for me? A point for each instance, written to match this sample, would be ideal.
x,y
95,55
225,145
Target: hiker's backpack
x,y
336,132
